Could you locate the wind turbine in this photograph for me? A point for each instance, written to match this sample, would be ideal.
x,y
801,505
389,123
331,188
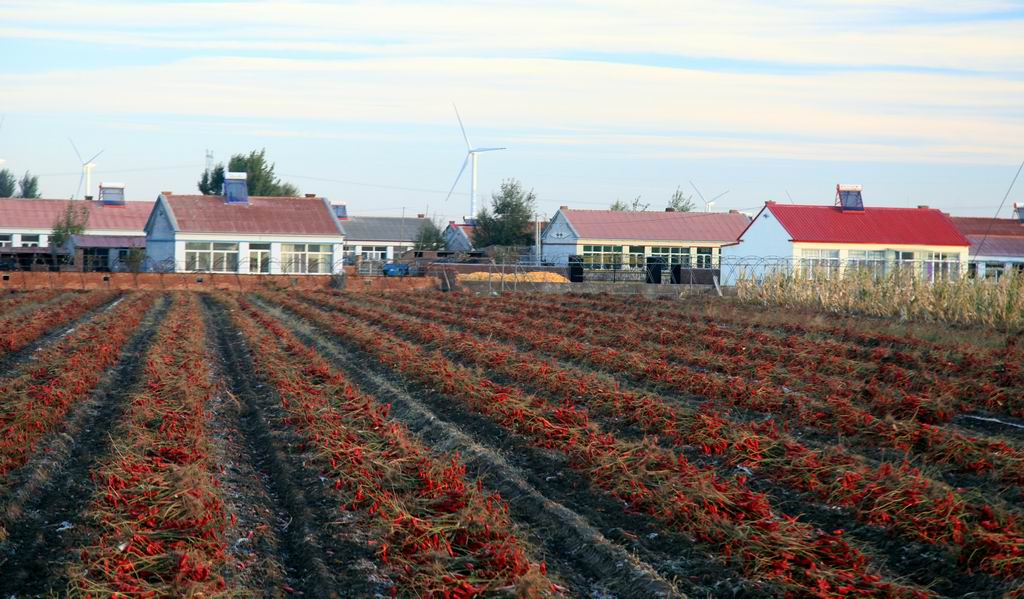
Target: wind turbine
x,y
471,157
707,203
87,166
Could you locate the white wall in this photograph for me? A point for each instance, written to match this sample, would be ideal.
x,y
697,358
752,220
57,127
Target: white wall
x,y
765,238
558,241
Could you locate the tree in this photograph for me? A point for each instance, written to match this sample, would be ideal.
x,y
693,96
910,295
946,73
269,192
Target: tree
x,y
509,223
430,237
71,222
260,177
8,184
681,202
28,186
637,206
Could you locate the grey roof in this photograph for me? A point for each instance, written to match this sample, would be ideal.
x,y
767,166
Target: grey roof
x,y
382,228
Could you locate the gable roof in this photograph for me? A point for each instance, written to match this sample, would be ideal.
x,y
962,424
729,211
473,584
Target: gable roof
x,y
656,226
903,226
262,216
382,228
992,236
18,213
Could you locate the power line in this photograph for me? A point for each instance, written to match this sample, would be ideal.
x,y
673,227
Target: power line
x,y
1000,209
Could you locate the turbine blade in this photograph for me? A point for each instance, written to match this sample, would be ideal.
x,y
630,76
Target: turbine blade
x,y
77,153
2,119
719,195
478,150
81,179
457,177
469,146
698,192
96,156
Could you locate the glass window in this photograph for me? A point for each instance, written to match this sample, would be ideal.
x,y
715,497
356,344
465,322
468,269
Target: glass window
x,y
705,257
306,258
6,241
207,256
602,257
259,257
994,270
872,261
29,241
939,266
820,263
374,252
673,255
635,259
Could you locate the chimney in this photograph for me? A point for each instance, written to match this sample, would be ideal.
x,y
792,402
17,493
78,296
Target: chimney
x,y
112,194
848,197
922,206
88,198
340,210
734,211
236,188
166,193
563,207
451,222
310,195
670,209
421,215
1019,209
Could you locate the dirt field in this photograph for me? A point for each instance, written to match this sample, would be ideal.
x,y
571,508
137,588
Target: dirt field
x,y
327,444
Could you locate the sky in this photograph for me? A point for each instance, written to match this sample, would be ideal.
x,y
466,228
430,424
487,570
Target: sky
x,y
921,102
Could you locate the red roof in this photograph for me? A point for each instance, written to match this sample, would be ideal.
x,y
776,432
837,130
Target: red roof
x,y
992,236
656,226
18,213
262,216
903,226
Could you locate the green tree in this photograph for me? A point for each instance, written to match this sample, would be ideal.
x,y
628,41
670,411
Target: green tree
x,y
71,222
508,221
8,184
636,206
260,177
430,237
681,202
28,186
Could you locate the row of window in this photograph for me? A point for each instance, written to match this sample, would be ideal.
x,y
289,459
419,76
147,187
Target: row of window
x,y
296,258
617,257
933,265
27,241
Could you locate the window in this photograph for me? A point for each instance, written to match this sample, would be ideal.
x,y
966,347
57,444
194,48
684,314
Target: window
x,y
206,256
602,257
374,252
820,263
29,241
259,257
673,255
635,258
905,261
6,241
940,266
872,261
994,270
306,258
705,257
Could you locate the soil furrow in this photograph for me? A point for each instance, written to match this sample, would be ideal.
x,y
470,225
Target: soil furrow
x,y
42,513
593,543
319,553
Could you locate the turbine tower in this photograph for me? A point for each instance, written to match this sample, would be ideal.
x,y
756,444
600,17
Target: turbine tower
x,y
471,159
707,203
87,166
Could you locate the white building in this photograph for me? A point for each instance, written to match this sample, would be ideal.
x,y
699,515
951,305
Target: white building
x,y
997,244
828,239
236,233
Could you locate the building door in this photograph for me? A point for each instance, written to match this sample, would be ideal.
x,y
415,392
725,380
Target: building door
x,y
259,258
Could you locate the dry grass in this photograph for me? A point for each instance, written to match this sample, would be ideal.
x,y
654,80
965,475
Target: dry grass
x,y
962,301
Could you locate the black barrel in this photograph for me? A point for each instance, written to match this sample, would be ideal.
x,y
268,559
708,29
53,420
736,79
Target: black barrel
x,y
575,269
654,266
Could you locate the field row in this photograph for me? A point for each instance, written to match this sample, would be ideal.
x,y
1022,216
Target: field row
x,y
445,445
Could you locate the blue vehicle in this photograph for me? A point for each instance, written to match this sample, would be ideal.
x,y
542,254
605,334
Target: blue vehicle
x,y
396,270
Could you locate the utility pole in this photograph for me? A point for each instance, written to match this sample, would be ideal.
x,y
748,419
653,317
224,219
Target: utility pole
x,y
536,237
